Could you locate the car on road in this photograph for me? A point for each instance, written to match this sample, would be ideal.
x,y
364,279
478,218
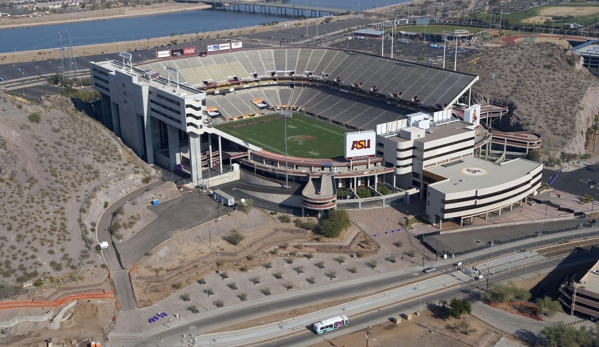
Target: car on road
x,y
596,272
429,269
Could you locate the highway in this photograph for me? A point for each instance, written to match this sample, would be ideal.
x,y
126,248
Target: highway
x,y
260,308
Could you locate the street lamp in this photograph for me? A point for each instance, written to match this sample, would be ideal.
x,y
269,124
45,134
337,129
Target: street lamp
x,y
285,115
491,102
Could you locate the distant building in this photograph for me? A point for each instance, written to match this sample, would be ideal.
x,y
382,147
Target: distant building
x,y
369,34
582,296
572,26
590,52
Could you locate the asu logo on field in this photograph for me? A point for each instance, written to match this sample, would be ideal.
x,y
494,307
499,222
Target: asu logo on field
x,y
361,144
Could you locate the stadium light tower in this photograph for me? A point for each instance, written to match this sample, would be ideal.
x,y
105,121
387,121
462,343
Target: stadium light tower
x,y
286,114
444,46
491,102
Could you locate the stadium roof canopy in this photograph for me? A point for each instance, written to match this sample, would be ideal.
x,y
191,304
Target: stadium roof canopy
x,y
591,47
430,86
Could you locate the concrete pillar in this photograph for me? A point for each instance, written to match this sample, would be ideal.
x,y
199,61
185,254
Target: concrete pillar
x,y
469,96
209,151
499,212
220,154
440,223
116,121
355,183
486,215
174,151
106,112
376,181
195,156
303,213
148,139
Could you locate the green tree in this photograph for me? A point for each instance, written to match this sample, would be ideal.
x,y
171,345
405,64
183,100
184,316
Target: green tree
x,y
560,335
548,306
534,155
383,189
363,193
334,223
458,307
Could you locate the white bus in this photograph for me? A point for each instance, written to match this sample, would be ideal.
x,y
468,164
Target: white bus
x,y
330,324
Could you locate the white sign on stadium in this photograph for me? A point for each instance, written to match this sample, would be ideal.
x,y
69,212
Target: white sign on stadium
x,y
360,144
236,45
212,48
472,115
224,46
163,54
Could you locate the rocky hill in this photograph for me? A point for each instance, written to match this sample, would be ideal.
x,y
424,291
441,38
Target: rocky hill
x,y
51,158
546,88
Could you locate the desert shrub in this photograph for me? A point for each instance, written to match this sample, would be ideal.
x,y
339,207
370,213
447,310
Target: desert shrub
x,y
35,117
234,237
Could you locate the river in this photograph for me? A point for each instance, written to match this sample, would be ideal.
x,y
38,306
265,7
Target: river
x,y
142,27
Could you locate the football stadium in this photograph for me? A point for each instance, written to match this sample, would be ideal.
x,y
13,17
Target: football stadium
x,y
329,121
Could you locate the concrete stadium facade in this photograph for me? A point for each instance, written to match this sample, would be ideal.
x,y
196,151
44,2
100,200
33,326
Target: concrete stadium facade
x,y
408,105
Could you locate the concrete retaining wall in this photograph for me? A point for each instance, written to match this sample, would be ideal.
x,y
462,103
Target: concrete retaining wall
x,y
21,319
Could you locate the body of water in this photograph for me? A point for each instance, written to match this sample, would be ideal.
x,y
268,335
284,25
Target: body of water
x,y
143,27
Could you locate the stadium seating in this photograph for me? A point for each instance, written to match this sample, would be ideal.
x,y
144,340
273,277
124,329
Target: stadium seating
x,y
423,84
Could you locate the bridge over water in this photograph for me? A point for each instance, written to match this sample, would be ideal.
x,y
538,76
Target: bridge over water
x,y
268,8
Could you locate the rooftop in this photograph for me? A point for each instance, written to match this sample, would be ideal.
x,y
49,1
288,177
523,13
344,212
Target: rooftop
x,y
369,32
446,130
589,47
591,280
161,82
438,132
473,173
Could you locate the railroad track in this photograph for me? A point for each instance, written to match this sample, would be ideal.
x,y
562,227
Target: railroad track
x,y
567,247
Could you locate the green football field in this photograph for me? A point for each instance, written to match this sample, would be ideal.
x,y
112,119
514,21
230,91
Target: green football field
x,y
306,137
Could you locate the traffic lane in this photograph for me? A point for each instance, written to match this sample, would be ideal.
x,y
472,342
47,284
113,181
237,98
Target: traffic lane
x,y
123,290
471,290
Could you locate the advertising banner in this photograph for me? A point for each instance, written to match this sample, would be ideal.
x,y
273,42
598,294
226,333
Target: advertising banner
x,y
212,48
189,51
177,52
224,46
163,54
360,144
472,115
236,45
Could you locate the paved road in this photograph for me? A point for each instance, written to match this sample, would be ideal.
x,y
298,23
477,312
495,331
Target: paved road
x,y
575,182
256,308
305,337
124,296
173,217
507,321
469,239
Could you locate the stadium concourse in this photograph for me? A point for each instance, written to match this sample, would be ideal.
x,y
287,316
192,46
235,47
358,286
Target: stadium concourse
x,y
398,118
